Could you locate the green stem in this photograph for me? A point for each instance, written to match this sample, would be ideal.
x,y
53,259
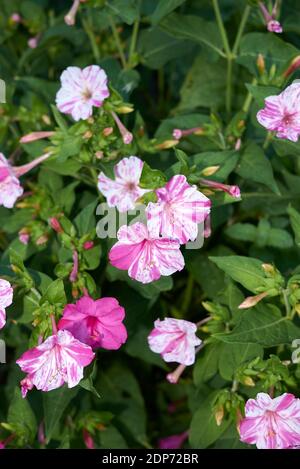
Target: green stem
x,y
221,28
90,33
36,293
241,29
133,42
267,141
249,97
286,303
187,294
118,42
228,85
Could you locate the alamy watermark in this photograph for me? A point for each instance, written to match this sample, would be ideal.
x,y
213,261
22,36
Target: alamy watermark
x,y
112,220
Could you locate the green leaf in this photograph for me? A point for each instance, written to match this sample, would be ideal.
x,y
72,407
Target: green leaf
x,y
255,166
21,416
207,77
262,325
195,29
127,10
152,178
260,92
55,293
234,355
295,222
86,219
204,431
274,50
55,403
163,8
244,270
206,365
156,48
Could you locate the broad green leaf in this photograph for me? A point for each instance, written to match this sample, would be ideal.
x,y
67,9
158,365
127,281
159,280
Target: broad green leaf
x,y
127,10
55,403
244,270
55,293
206,365
86,219
204,431
255,166
193,28
262,325
232,356
295,222
152,178
163,8
21,416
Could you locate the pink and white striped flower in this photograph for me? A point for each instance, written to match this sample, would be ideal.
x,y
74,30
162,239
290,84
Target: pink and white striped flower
x,y
282,113
97,323
58,360
81,89
6,298
10,187
124,191
175,340
178,211
146,258
271,423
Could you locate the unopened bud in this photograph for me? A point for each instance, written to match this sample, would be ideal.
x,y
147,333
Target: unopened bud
x,y
46,119
248,381
219,415
167,144
268,268
99,155
251,301
88,245
55,225
260,63
107,131
42,240
124,109
210,170
87,135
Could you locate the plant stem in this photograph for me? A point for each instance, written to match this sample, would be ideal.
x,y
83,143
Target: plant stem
x,y
228,85
221,28
90,33
118,42
241,29
286,303
187,294
228,54
134,36
249,97
267,140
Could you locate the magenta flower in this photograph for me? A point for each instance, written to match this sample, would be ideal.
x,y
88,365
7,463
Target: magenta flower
x,y
33,42
96,323
124,191
175,340
178,211
24,236
81,90
270,19
6,298
173,441
146,258
10,187
271,423
58,360
282,113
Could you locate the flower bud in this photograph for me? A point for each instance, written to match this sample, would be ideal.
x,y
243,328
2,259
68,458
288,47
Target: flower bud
x,y
55,225
260,63
166,144
219,415
88,245
210,170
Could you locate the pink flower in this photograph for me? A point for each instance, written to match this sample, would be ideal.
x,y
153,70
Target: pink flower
x,y
173,441
10,187
270,19
124,191
81,90
175,340
282,113
58,360
178,211
146,258
6,298
33,42
274,26
96,323
88,245
71,15
16,18
271,423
